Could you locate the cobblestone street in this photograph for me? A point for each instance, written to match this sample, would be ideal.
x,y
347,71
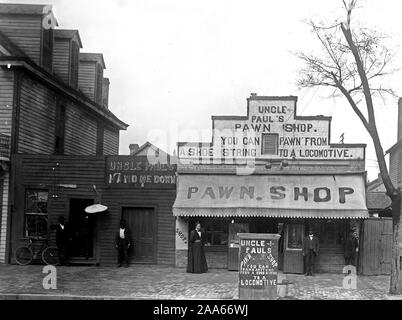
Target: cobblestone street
x,y
161,282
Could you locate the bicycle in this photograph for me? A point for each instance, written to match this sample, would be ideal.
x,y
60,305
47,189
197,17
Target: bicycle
x,y
26,253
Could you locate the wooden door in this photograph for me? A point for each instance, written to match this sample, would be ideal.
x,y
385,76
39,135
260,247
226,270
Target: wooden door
x,y
141,222
293,248
375,247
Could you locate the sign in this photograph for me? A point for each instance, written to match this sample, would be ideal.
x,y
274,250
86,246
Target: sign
x,y
258,266
271,130
314,192
139,172
181,234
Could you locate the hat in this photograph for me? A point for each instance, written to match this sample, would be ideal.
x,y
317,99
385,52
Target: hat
x,y
310,231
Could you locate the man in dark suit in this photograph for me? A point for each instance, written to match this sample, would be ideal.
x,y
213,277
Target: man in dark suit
x,y
123,243
310,251
62,238
351,248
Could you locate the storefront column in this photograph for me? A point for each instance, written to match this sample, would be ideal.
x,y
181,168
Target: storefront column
x,y
181,242
4,185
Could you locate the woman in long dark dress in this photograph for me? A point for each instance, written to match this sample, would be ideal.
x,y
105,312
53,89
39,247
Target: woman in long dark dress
x,y
197,263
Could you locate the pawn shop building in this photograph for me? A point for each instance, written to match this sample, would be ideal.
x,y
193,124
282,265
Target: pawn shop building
x,y
270,171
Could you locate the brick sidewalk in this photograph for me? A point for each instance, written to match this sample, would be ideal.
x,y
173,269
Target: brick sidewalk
x,y
161,282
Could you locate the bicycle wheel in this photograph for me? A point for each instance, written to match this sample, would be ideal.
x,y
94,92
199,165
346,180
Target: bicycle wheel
x,y
23,256
50,256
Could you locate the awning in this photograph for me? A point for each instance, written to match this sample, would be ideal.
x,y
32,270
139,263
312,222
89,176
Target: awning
x,y
284,196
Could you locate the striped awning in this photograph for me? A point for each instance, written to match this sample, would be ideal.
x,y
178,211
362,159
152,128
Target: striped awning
x,y
290,196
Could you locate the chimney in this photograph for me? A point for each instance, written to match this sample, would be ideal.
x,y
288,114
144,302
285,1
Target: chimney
x,y
133,148
30,27
105,93
399,119
90,79
67,44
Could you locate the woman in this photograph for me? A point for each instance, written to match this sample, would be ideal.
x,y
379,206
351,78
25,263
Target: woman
x,y
196,256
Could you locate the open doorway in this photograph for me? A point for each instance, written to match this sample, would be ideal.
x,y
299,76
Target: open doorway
x,y
82,229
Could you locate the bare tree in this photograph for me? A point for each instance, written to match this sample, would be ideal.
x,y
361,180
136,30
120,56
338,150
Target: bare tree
x,y
354,63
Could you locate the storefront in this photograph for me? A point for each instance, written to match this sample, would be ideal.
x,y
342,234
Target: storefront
x,y
288,205
139,188
270,172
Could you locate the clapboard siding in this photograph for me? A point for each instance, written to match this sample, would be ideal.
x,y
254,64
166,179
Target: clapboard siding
x,y
110,141
37,118
6,100
25,32
4,187
61,59
86,78
163,200
80,132
85,171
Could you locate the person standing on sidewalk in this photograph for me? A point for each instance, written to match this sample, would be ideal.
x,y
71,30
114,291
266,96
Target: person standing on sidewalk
x,y
197,263
62,239
123,243
310,252
351,248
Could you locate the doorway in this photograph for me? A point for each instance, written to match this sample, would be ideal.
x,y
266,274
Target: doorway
x,y
142,223
82,229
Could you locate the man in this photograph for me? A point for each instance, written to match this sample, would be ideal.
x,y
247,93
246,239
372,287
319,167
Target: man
x,y
351,248
310,251
123,243
62,240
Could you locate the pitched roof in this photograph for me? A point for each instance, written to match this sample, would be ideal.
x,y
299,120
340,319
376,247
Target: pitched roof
x,y
395,147
378,200
67,34
12,48
98,57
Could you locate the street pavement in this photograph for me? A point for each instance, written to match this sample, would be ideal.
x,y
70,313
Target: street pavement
x,y
163,282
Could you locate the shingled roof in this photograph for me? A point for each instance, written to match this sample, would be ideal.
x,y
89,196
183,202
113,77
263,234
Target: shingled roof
x,y
377,201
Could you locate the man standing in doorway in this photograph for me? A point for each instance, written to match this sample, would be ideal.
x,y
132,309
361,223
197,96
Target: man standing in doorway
x,y
123,243
62,239
310,251
351,248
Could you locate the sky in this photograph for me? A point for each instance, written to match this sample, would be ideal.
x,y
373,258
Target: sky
x,y
172,64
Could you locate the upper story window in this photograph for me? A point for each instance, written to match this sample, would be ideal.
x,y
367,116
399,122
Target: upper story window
x,y
269,144
47,49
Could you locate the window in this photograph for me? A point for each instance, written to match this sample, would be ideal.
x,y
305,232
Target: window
x,y
269,144
295,236
35,217
216,231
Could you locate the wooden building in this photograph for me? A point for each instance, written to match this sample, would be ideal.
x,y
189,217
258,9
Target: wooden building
x,y
140,188
50,105
270,171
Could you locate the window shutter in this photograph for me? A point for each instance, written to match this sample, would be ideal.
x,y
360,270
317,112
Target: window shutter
x,y
269,144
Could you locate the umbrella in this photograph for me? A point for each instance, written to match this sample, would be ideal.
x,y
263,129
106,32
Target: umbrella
x,y
95,208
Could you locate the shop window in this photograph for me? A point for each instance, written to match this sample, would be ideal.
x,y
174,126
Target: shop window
x,y
216,231
35,217
269,144
295,237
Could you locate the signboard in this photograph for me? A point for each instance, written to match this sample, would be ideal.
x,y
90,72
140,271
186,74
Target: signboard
x,y
258,266
314,192
271,130
139,172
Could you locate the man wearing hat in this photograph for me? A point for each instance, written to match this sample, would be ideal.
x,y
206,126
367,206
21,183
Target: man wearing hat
x,y
351,248
310,251
123,243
